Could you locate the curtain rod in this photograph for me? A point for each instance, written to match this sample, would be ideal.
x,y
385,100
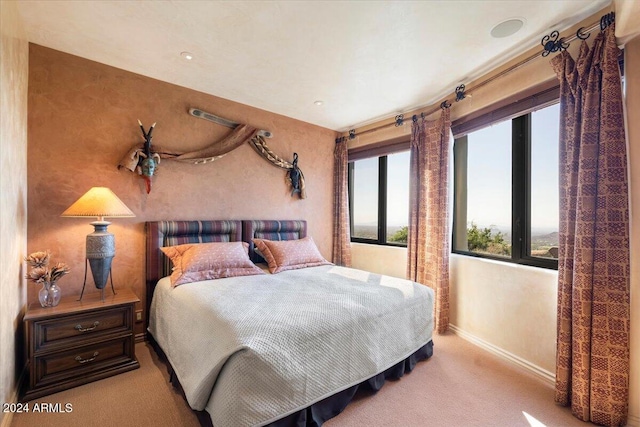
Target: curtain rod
x,y
551,43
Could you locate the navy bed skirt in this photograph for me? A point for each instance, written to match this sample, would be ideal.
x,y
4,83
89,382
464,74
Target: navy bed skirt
x,y
319,412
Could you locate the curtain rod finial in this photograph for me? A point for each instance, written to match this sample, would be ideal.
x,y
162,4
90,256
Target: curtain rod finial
x,y
607,20
460,95
553,43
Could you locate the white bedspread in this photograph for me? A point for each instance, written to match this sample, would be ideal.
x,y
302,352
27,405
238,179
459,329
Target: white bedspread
x,y
253,349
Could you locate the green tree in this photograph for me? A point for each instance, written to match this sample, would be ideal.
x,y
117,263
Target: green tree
x,y
400,236
484,240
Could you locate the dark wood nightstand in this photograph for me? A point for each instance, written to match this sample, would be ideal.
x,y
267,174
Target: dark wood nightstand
x,y
79,341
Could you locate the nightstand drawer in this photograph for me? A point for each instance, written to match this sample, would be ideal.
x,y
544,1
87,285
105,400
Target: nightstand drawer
x,y
79,328
82,361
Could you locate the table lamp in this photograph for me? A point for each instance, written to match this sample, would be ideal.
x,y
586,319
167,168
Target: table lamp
x,y
99,202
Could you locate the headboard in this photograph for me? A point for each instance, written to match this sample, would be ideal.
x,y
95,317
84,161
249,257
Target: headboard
x,y
271,230
171,233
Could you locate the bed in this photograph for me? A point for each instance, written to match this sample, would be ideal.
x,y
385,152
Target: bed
x,y
290,348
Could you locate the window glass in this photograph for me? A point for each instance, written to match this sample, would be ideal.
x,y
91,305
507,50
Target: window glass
x,y
365,199
544,182
397,197
488,202
506,190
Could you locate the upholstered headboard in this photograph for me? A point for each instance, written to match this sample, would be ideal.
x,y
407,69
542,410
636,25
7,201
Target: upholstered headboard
x,y
171,233
271,230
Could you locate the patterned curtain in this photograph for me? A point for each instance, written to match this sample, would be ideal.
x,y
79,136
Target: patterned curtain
x,y
428,239
341,232
592,367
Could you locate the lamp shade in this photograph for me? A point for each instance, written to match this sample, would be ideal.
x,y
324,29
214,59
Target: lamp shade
x,y
99,202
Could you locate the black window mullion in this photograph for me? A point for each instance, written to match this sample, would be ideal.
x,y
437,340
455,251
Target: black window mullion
x,y
526,213
521,131
382,199
350,166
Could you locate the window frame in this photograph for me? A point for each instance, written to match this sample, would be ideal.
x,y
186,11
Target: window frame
x,y
382,198
521,143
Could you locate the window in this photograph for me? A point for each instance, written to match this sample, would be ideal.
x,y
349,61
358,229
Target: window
x,y
506,190
379,199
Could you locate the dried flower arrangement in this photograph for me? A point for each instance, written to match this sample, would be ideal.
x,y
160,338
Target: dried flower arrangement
x,y
40,271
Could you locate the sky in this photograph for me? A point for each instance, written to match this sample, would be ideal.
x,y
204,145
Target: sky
x,y
489,178
366,190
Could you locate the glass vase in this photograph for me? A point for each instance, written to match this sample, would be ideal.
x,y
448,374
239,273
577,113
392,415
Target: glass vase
x,y
50,294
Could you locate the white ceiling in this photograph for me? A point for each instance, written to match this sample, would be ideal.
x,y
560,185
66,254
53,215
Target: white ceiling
x,y
365,59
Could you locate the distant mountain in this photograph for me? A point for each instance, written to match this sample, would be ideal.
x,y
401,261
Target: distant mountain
x,y
371,231
549,239
537,240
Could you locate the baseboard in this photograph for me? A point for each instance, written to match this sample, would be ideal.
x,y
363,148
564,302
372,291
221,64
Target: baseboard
x,y
141,337
8,416
543,374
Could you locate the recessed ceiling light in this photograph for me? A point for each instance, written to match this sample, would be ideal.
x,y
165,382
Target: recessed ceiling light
x,y
318,103
187,55
507,28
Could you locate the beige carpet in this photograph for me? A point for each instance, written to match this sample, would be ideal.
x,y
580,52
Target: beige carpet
x,y
461,385
138,398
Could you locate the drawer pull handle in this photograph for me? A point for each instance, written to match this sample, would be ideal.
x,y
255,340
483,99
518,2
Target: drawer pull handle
x,y
81,360
79,328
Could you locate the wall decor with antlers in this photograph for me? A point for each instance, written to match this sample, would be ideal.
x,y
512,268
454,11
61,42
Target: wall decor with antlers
x,y
144,160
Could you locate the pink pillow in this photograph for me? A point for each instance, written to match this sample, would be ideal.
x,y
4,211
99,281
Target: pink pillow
x,y
290,254
193,262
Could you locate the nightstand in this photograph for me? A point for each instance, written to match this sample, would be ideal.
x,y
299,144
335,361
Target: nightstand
x,y
78,342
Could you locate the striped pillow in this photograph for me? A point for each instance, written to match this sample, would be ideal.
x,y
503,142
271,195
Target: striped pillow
x,y
290,254
193,262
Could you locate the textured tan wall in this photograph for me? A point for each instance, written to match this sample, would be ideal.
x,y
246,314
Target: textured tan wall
x,y
388,260
13,196
627,20
83,119
510,306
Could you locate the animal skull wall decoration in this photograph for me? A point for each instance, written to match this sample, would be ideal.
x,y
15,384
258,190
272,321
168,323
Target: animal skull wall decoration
x,y
141,159
148,161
